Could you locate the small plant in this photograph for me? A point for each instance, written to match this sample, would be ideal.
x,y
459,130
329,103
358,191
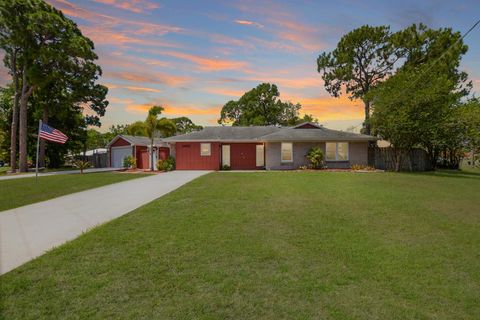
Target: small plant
x,y
129,162
316,158
82,165
363,167
225,167
303,168
167,164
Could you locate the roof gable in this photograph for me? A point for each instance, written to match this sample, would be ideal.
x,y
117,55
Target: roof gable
x,y
308,125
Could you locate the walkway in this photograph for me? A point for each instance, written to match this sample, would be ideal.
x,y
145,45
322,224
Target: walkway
x,y
27,232
29,175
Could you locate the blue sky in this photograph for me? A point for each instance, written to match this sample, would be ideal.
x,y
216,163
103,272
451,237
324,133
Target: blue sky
x,y
194,56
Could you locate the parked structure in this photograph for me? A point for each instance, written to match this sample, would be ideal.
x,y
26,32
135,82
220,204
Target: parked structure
x,y
138,147
267,147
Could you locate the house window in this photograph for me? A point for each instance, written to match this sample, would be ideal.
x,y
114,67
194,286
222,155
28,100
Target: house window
x,y
336,151
287,152
205,149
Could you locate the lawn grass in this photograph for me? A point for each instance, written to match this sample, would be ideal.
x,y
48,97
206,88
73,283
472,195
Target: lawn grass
x,y
19,192
273,245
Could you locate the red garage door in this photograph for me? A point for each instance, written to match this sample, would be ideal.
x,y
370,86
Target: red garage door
x,y
242,156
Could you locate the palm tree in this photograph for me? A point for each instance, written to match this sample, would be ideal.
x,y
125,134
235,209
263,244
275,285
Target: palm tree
x,y
151,127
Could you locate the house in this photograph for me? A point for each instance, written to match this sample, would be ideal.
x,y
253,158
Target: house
x,y
267,147
138,147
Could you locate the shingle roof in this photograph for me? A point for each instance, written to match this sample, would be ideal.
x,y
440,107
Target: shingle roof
x,y
140,140
220,133
268,133
320,134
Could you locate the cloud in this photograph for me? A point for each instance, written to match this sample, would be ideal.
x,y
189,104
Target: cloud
x,y
226,92
133,88
249,23
136,6
223,39
174,110
330,108
207,64
145,77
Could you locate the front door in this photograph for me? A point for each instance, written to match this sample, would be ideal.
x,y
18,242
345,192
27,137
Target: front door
x,y
225,155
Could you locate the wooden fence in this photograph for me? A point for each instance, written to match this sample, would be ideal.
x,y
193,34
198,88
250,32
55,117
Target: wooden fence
x,y
415,160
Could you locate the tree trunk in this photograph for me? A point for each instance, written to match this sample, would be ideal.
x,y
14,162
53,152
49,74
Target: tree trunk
x,y
23,132
366,124
41,151
14,126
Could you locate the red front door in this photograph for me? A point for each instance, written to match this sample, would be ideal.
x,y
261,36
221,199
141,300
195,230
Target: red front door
x,y
243,156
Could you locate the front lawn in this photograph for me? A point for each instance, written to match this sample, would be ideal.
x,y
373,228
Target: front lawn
x,y
19,192
272,245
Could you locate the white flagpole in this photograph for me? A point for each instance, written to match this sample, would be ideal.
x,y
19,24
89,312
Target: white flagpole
x,y
38,148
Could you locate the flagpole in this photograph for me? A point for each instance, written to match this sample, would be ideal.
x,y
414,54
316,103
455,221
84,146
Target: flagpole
x,y
38,148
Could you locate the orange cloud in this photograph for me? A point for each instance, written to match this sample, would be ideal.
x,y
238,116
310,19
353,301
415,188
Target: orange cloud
x,y
207,64
249,23
175,110
226,92
330,108
136,6
157,77
220,38
132,88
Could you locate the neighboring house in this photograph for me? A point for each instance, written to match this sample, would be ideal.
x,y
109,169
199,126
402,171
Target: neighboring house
x,y
267,147
138,147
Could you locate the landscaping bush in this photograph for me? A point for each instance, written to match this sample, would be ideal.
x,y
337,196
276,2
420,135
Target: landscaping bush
x,y
166,165
316,158
82,165
357,167
130,162
225,167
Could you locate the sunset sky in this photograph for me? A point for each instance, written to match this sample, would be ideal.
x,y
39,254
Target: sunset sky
x,y
193,56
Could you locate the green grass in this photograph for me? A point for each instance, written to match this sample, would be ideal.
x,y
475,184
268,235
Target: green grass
x,y
273,245
3,170
19,192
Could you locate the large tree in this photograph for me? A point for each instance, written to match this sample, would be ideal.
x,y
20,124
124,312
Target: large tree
x,y
153,127
260,106
185,125
45,51
363,58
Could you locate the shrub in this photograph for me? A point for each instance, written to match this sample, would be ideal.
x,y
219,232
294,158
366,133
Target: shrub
x,y
82,165
356,167
167,164
225,167
316,158
130,162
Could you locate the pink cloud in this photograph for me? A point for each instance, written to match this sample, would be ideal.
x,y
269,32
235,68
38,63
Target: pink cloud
x,y
206,64
136,6
248,23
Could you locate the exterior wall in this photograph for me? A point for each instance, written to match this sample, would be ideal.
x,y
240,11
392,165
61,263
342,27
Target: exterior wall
x,y
120,143
300,149
358,154
163,153
188,156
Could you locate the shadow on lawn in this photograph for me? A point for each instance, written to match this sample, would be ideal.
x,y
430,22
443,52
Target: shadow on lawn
x,y
463,174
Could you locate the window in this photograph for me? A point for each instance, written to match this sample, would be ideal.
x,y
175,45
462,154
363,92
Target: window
x,y
336,151
205,149
287,152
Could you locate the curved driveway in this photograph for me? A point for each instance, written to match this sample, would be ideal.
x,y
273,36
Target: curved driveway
x,y
27,232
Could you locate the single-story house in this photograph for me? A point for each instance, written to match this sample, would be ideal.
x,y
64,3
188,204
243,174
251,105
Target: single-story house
x,y
267,147
138,147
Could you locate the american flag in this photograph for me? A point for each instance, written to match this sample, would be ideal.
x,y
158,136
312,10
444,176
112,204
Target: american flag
x,y
51,134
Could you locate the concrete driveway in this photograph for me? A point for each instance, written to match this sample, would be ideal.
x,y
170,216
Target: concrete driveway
x,y
27,232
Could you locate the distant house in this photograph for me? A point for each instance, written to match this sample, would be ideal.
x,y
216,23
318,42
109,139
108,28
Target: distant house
x,y
138,147
266,147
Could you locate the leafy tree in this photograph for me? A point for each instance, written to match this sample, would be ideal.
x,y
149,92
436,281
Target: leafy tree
x,y
151,127
363,58
185,125
260,106
46,52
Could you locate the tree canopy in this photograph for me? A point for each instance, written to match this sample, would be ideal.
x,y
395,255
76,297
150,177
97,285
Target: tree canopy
x,y
261,106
